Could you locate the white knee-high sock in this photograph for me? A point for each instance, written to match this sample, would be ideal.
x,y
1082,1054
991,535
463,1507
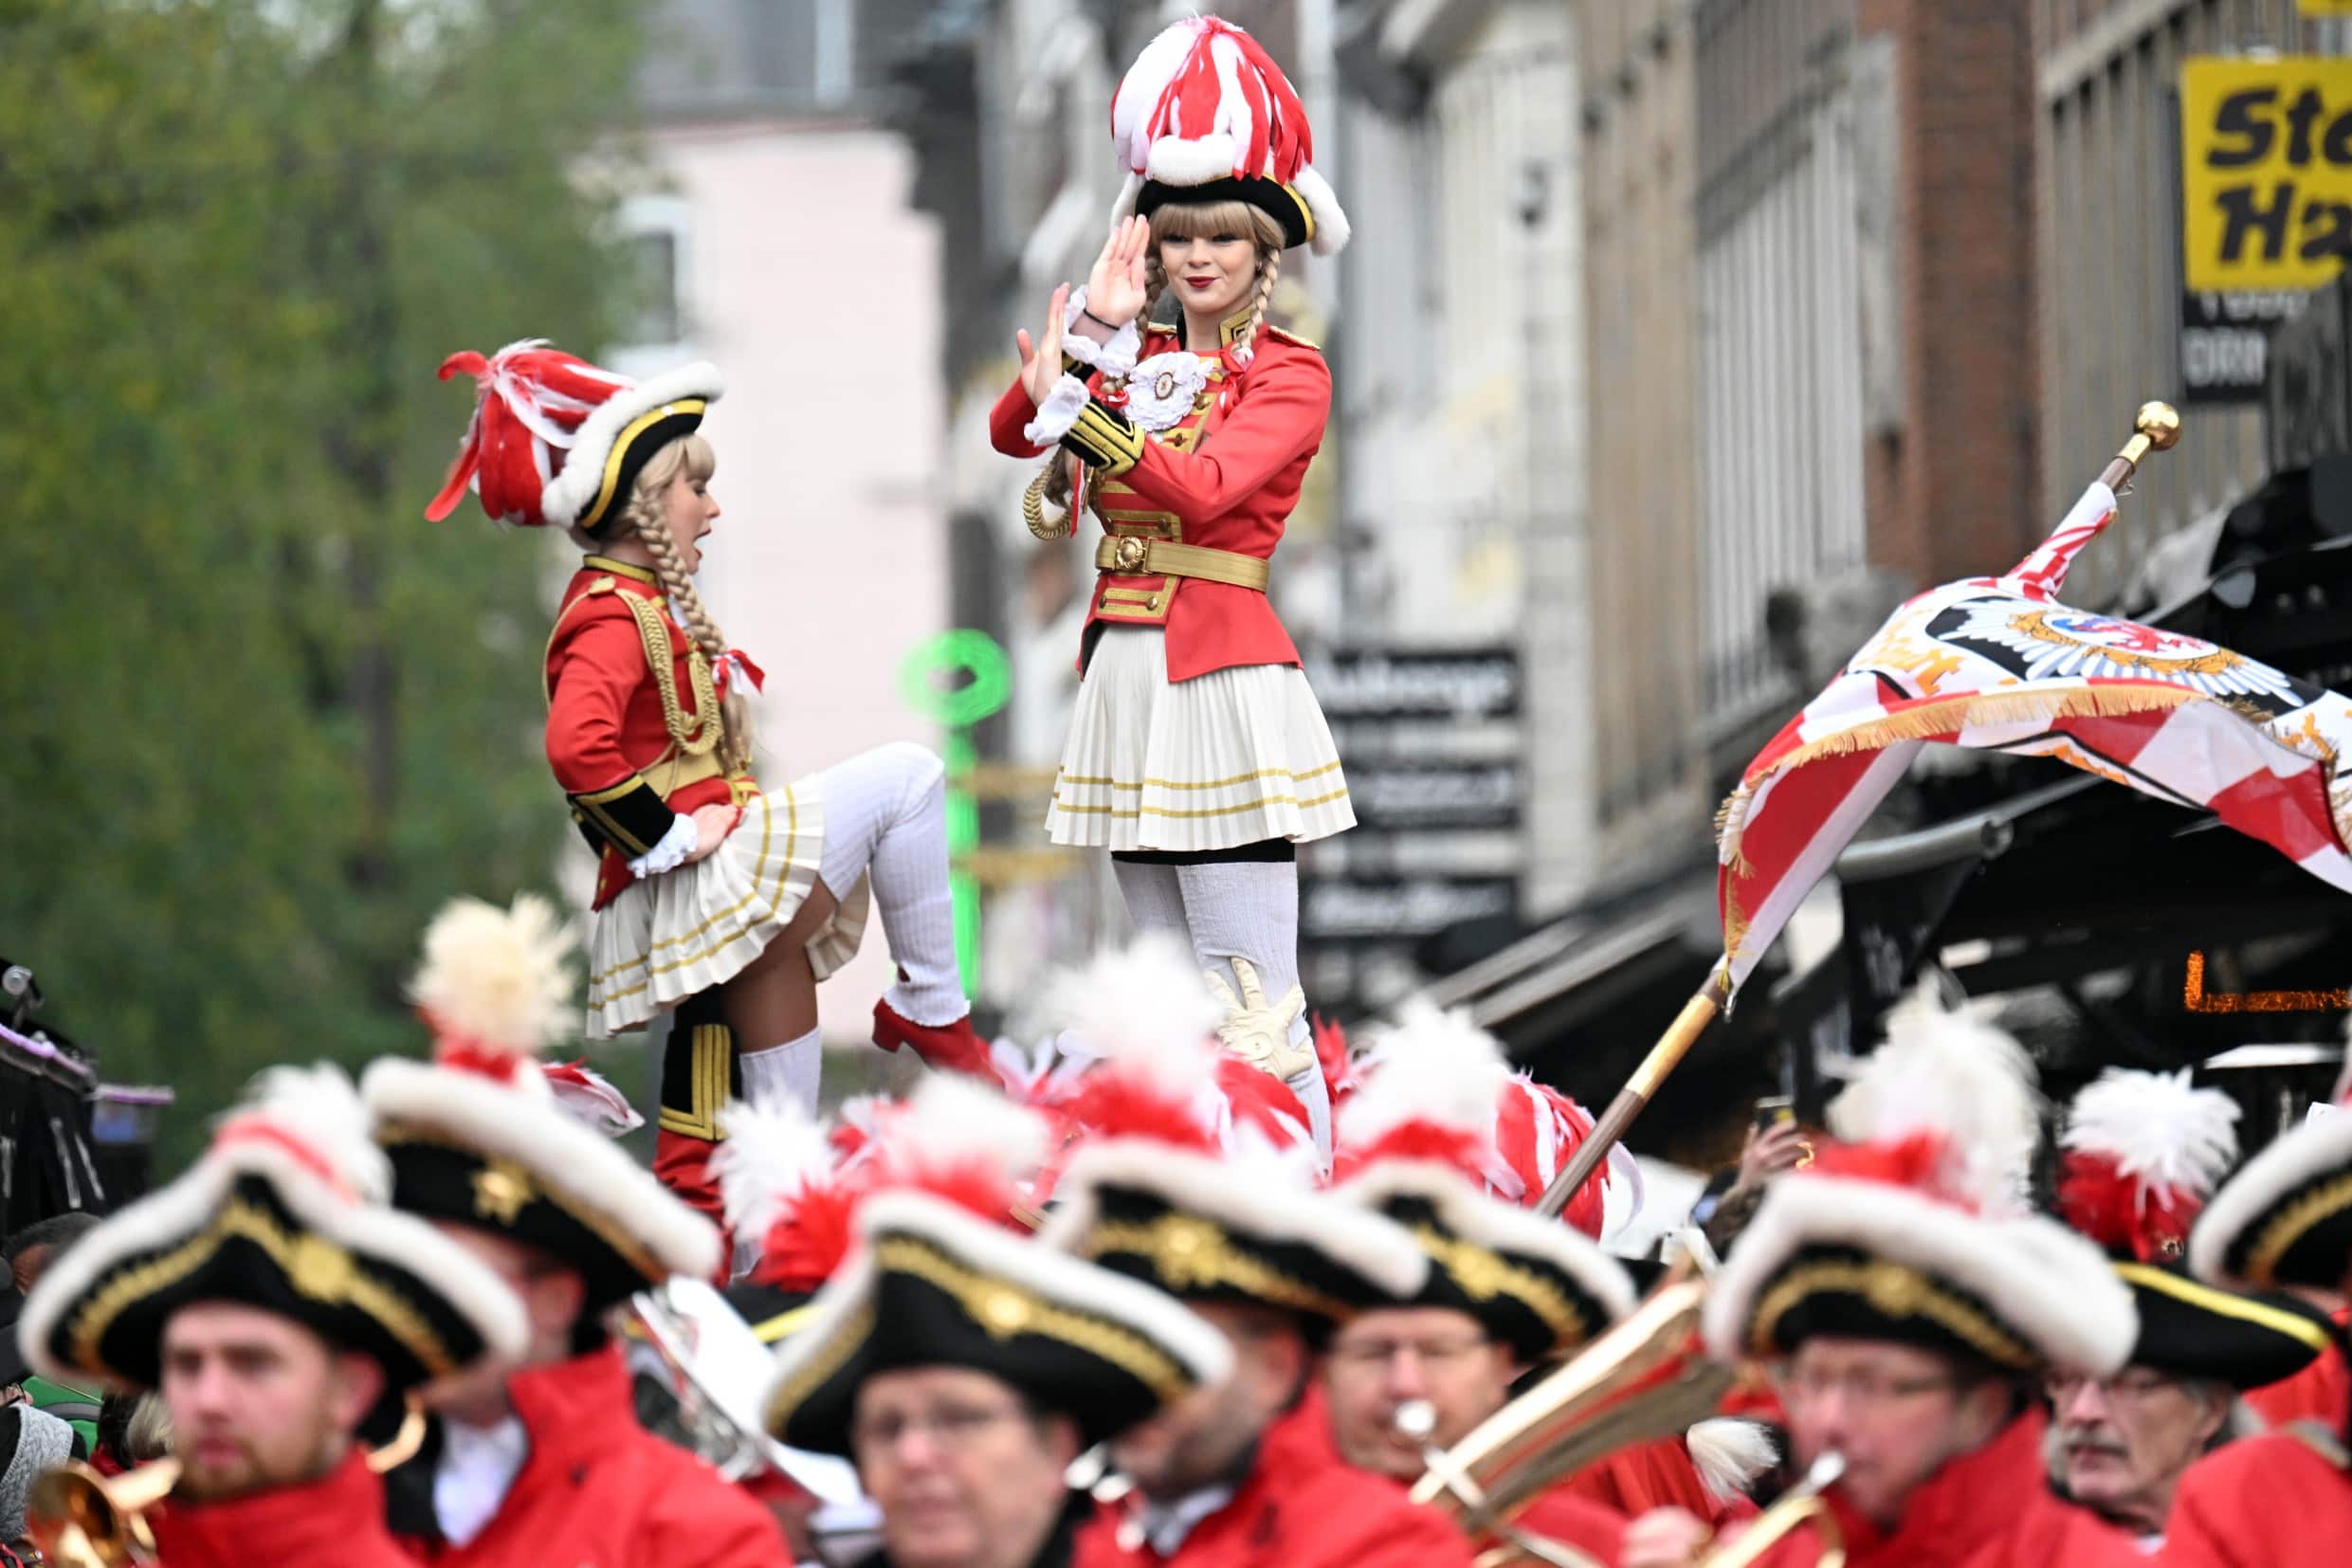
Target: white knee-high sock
x,y
885,816
1250,909
1155,899
787,1072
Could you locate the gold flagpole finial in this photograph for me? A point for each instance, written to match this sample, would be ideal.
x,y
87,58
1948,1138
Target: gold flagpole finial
x,y
2155,429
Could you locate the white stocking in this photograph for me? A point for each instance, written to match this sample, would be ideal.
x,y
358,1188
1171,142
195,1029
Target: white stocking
x,y
885,814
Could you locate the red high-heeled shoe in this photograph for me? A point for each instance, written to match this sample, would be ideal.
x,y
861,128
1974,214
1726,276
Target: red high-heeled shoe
x,y
944,1047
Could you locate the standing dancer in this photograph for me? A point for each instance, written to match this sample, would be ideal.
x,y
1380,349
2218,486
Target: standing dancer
x,y
1198,756
714,899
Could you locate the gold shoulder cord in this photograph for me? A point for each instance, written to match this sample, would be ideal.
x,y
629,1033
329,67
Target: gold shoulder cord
x,y
698,737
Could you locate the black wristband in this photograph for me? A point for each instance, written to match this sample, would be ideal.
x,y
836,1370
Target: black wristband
x,y
1096,319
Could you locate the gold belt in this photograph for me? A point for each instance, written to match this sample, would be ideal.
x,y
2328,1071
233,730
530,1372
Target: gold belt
x,y
677,771
1132,556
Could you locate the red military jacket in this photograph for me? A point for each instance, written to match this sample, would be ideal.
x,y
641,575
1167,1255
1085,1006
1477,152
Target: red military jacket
x,y
336,1521
600,1491
1572,1519
1992,1508
1301,1507
609,739
1225,477
2282,1500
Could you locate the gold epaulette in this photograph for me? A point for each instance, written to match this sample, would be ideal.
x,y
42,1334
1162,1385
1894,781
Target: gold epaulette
x,y
1289,337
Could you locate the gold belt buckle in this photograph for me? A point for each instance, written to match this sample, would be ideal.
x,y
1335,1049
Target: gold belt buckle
x,y
1130,554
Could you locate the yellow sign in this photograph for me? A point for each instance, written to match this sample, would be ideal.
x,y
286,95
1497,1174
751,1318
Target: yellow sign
x,y
2325,7
2266,173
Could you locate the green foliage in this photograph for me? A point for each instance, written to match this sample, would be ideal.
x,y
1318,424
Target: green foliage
x,y
257,716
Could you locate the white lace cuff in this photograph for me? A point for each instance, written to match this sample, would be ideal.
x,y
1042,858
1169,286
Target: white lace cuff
x,y
1058,411
672,851
1116,358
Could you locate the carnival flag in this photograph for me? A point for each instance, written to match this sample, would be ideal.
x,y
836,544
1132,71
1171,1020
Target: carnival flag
x,y
1998,664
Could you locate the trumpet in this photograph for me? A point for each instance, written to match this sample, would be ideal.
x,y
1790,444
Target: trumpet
x,y
79,1518
1647,1377
1801,1504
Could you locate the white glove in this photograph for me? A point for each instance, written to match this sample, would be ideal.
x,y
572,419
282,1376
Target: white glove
x,y
1257,1033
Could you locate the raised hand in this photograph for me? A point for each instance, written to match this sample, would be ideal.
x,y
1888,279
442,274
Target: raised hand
x,y
1115,288
1041,364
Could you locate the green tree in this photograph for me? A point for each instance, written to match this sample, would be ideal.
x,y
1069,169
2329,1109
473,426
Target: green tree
x,y
257,718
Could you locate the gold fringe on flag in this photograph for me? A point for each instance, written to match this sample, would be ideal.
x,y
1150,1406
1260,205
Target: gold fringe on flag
x,y
1927,721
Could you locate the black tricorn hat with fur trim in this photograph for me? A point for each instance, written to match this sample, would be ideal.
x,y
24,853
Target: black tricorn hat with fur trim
x,y
476,1136
2143,1152
286,1212
2285,1218
933,1284
1420,1136
1914,1228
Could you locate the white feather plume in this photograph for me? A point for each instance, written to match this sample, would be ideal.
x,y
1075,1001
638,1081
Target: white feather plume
x,y
1430,1066
318,1109
1144,1008
2159,1130
1729,1454
1951,1074
954,1119
768,1156
495,979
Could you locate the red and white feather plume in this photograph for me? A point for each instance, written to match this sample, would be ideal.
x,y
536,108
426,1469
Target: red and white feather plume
x,y
1204,101
2143,1153
1947,1107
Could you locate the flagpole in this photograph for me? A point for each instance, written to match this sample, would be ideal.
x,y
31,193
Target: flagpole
x,y
1700,1011
2155,429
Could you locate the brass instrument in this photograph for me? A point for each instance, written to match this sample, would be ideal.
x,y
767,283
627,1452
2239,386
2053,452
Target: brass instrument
x,y
79,1518
1801,1504
1646,1378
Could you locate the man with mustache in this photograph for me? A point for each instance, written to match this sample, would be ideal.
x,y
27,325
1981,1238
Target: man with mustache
x,y
2143,1152
2285,1221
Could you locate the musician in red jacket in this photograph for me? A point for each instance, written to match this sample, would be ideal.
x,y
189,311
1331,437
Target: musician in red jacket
x,y
2282,1222
1198,756
544,1463
714,898
282,1312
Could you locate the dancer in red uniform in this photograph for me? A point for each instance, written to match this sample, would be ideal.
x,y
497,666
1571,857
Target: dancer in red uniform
x,y
1198,756
714,898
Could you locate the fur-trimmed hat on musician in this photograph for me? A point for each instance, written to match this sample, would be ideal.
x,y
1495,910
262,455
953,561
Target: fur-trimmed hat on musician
x,y
1419,1139
477,1137
2142,1153
555,442
1204,115
940,1272
285,1211
1153,1192
1913,1227
2286,1218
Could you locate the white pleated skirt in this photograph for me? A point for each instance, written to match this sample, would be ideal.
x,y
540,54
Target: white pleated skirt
x,y
1234,757
678,933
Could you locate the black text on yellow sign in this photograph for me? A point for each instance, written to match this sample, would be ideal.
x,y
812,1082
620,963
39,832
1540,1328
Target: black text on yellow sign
x,y
2266,173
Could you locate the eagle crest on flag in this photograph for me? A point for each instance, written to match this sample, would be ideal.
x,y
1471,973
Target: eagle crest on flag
x,y
1996,664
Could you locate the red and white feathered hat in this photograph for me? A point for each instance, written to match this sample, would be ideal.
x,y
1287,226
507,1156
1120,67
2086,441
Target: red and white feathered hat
x,y
556,442
2143,1153
784,1178
478,1135
1205,115
1418,1144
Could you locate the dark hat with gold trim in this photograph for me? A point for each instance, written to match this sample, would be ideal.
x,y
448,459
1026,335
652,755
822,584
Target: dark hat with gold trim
x,y
285,1211
476,1136
1419,1143
1915,1229
1205,115
556,442
2143,1152
934,1286
2286,1218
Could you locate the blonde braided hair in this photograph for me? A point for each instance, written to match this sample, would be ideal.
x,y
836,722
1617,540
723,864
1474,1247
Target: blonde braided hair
x,y
646,515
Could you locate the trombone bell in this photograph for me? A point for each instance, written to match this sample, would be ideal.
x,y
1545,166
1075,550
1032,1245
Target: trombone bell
x,y
79,1518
